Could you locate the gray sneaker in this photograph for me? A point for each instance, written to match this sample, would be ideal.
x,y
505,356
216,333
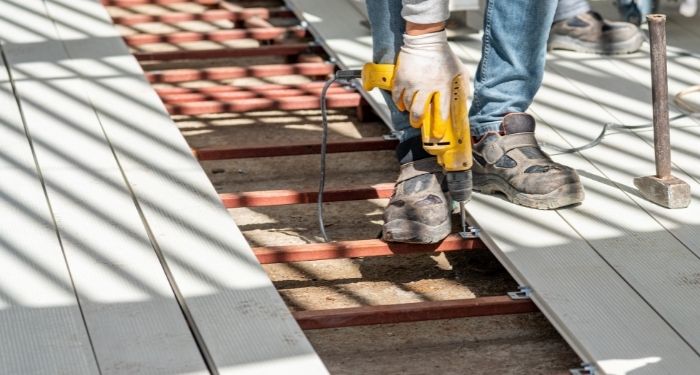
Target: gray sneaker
x,y
418,212
511,163
590,33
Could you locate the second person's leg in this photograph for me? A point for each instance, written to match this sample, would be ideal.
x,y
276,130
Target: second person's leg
x,y
577,28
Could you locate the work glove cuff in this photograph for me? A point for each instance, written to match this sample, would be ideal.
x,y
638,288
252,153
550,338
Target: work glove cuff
x,y
425,40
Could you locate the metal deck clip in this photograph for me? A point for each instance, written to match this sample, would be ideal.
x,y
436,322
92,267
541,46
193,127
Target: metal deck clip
x,y
390,137
585,369
472,232
524,292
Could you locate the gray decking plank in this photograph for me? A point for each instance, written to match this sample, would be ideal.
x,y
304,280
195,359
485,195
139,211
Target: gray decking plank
x,y
619,224
604,220
660,254
243,321
135,324
41,325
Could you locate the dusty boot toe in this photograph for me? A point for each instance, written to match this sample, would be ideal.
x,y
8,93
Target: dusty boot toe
x,y
418,212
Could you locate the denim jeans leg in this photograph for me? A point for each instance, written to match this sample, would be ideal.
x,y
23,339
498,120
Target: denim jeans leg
x,y
387,37
512,61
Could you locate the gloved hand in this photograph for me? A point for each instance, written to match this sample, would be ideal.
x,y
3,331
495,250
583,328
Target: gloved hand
x,y
425,69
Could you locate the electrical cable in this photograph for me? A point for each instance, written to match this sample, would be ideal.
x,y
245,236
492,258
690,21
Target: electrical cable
x,y
686,109
340,75
324,146
680,102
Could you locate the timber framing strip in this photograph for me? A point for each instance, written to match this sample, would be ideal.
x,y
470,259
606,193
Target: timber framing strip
x,y
356,145
290,49
412,312
286,197
360,248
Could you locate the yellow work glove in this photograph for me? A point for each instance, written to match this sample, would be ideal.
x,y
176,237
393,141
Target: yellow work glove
x,y
425,69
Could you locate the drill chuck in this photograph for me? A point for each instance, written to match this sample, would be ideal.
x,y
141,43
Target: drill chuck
x,y
459,184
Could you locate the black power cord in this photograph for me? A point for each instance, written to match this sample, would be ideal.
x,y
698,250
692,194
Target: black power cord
x,y
341,75
686,109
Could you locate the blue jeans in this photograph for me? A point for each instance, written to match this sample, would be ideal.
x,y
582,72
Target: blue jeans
x,y
645,6
512,63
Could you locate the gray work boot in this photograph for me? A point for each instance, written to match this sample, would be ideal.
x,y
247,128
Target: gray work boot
x,y
513,164
590,33
418,212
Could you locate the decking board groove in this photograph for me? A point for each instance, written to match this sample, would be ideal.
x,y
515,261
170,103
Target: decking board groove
x,y
39,311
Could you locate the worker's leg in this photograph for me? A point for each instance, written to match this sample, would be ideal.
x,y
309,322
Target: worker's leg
x,y
507,158
635,11
387,36
577,28
418,211
512,63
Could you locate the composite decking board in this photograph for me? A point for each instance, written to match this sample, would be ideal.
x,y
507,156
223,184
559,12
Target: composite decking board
x,y
685,133
603,222
597,313
242,319
624,228
668,263
39,310
565,270
134,322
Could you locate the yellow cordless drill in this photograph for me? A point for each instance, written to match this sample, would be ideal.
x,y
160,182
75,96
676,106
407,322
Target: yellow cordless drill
x,y
449,140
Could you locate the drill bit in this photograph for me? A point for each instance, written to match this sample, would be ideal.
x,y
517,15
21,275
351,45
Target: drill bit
x,y
459,184
463,216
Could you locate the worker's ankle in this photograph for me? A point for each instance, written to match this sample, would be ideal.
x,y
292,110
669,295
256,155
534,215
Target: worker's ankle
x,y
478,138
411,150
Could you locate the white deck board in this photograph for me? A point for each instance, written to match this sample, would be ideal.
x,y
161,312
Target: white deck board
x,y
39,312
245,324
659,256
135,324
608,274
627,238
653,260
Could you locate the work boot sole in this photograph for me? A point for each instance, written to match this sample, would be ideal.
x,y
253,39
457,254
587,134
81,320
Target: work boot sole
x,y
564,42
400,230
565,195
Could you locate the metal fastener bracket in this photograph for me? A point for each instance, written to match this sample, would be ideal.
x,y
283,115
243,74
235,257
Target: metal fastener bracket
x,y
472,232
585,369
524,292
390,137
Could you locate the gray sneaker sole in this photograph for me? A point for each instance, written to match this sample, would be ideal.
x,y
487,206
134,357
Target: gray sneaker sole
x,y
406,231
563,196
564,42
